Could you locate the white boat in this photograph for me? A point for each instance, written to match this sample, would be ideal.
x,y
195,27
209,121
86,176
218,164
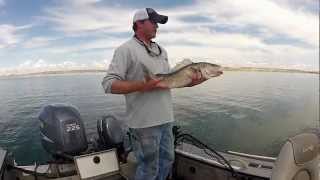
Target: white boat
x,y
108,157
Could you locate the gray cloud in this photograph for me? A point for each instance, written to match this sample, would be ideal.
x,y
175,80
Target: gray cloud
x,y
308,6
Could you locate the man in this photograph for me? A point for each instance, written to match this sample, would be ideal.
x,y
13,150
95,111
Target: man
x,y
148,103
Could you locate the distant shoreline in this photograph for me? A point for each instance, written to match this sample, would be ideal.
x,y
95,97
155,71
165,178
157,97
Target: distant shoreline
x,y
244,69
255,69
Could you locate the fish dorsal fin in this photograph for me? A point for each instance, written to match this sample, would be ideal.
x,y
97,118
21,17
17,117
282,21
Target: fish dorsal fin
x,y
181,64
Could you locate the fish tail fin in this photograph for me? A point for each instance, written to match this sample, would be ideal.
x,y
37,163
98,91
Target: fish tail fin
x,y
147,74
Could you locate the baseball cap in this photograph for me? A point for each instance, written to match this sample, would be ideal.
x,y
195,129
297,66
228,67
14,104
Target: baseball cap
x,y
149,13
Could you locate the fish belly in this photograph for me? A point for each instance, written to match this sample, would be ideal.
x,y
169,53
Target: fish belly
x,y
177,81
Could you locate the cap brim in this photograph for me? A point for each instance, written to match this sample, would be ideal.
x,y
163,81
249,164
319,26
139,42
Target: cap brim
x,y
160,19
155,17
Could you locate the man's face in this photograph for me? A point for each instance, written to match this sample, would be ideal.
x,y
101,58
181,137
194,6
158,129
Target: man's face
x,y
149,28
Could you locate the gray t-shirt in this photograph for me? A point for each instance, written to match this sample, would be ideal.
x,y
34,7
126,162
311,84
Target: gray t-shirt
x,y
144,109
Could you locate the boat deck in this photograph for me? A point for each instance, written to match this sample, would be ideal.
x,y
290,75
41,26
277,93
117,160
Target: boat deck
x,y
191,163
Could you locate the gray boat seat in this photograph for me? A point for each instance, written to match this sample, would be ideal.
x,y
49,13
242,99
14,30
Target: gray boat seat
x,y
299,159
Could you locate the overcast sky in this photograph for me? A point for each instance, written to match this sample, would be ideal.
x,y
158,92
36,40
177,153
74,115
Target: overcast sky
x,y
37,35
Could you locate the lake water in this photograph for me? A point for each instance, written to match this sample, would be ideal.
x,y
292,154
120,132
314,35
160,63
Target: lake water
x,y
250,112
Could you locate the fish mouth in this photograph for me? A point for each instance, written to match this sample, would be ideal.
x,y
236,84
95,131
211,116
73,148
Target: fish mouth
x,y
215,74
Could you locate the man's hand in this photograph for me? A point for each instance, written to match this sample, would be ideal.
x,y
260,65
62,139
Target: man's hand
x,y
153,84
126,87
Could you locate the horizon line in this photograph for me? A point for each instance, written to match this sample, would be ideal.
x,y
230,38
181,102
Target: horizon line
x,y
226,68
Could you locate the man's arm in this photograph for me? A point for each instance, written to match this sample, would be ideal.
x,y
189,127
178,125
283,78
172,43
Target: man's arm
x,y
115,81
125,87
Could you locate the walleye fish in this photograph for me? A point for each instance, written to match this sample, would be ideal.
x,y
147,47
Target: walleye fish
x,y
182,76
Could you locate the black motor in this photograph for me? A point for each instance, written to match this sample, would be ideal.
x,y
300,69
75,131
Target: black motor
x,y
62,130
113,133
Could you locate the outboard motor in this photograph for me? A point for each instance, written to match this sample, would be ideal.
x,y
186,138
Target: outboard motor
x,y
114,134
62,130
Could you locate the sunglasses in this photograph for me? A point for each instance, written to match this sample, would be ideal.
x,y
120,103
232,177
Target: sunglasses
x,y
150,52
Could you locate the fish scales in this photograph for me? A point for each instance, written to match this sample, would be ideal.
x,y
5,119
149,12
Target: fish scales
x,y
183,76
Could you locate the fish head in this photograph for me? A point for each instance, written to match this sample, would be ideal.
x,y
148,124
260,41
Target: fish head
x,y
209,70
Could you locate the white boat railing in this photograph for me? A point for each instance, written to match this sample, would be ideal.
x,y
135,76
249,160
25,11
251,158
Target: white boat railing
x,y
263,158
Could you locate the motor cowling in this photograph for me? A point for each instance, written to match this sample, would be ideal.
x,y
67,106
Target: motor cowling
x,y
113,133
62,131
